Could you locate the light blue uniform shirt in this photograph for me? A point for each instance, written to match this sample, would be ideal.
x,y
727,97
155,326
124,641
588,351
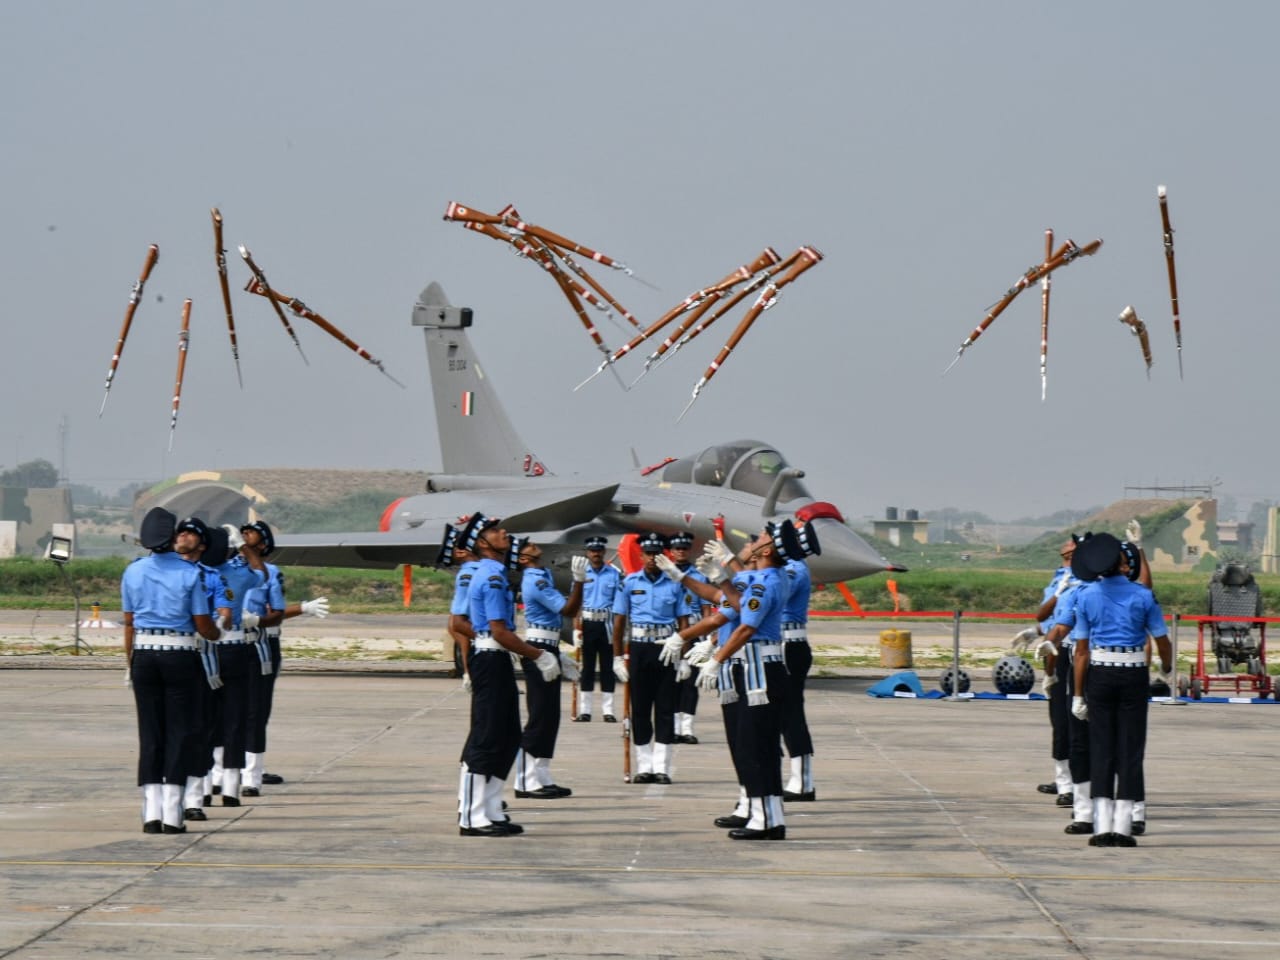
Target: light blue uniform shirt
x,y
461,605
1116,612
163,592
762,603
264,595
601,587
652,602
800,588
214,586
1064,611
240,578
491,597
697,606
1049,591
542,601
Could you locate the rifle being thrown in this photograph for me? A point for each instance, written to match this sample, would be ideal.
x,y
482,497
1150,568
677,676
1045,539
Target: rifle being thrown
x,y
1062,256
135,295
261,278
220,257
302,310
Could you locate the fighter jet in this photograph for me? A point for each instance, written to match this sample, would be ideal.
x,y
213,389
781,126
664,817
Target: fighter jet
x,y
727,490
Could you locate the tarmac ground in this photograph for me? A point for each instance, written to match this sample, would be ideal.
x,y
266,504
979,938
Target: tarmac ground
x,y
927,838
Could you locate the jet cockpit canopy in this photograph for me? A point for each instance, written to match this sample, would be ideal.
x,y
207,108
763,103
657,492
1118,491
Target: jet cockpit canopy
x,y
746,465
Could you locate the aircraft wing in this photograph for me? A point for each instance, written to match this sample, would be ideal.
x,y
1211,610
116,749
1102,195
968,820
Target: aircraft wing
x,y
530,511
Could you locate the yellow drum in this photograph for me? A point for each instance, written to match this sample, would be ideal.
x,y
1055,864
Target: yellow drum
x,y
895,648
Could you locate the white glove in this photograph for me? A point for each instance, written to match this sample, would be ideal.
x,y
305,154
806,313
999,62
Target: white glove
x,y
548,665
668,566
319,607
1079,709
579,567
1165,677
672,647
1046,649
709,675
1022,639
577,639
711,570
249,621
234,540
128,676
217,625
1065,584
620,670
466,683
568,669
1133,532
1049,680
684,670
701,652
717,552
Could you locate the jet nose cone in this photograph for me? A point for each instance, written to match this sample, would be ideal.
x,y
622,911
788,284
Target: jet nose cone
x,y
845,555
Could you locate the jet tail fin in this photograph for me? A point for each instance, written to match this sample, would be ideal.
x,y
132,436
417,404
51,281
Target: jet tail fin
x,y
476,437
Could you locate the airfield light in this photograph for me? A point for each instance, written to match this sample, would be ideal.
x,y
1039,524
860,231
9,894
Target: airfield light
x,y
60,551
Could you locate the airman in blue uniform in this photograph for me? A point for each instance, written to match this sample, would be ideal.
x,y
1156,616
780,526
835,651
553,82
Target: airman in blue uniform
x,y
687,688
595,624
239,661
799,659
545,608
165,605
648,609
494,737
196,795
1114,616
759,678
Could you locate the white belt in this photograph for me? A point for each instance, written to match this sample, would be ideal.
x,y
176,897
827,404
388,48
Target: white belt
x,y
542,633
770,650
795,634
483,644
1117,657
162,632
170,643
273,633
596,615
233,636
651,632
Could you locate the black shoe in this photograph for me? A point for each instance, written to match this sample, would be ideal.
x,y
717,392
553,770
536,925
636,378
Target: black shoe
x,y
661,778
1065,799
491,830
644,778
1104,840
250,792
216,790
769,833
686,738
152,826
272,778
582,718
1048,788
170,828
1139,828
230,801
1120,840
1078,827
194,813
731,821
508,826
610,718
803,797
549,792
207,801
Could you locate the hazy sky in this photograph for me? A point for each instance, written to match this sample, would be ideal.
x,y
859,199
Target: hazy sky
x,y
923,147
